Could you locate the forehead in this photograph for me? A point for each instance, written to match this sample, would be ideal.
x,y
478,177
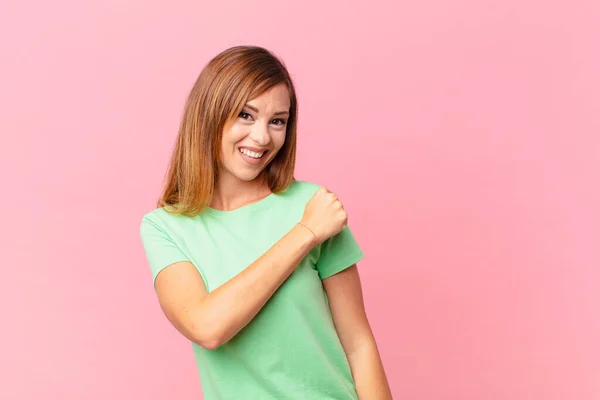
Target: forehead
x,y
277,96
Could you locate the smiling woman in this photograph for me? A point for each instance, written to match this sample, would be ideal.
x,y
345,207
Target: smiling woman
x,y
256,269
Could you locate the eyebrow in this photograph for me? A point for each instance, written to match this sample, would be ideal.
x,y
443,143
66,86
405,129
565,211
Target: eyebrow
x,y
277,113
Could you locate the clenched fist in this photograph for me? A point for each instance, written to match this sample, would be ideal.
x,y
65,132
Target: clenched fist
x,y
324,215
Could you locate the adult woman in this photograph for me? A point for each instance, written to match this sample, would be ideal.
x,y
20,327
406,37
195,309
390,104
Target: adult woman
x,y
256,269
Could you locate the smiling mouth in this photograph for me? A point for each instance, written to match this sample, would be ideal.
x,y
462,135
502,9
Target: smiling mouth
x,y
252,154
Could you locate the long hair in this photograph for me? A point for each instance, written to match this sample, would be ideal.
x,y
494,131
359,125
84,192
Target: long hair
x,y
222,89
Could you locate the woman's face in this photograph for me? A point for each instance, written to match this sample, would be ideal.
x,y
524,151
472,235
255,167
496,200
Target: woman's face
x,y
253,139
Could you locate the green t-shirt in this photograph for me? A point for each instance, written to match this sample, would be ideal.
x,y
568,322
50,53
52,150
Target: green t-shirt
x,y
290,350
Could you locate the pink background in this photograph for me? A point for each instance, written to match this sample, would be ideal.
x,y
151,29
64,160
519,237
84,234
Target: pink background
x,y
463,137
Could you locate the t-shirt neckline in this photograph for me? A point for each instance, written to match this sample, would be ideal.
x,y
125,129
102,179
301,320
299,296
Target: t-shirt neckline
x,y
243,209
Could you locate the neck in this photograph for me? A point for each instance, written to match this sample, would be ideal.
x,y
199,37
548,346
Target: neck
x,y
231,193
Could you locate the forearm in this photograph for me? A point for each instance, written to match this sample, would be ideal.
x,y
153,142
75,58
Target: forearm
x,y
369,375
230,307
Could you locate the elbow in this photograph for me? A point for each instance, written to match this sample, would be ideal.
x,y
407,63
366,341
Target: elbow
x,y
209,344
208,339
206,331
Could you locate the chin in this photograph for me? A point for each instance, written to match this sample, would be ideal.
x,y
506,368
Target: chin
x,y
247,177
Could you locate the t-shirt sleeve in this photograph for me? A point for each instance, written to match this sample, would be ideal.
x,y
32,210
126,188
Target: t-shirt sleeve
x,y
161,251
338,253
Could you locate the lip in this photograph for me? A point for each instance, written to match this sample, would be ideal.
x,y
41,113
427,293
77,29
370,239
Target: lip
x,y
250,160
254,149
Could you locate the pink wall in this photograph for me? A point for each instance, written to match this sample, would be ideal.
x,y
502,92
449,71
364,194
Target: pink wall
x,y
462,136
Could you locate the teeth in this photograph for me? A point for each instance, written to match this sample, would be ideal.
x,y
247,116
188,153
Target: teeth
x,y
251,153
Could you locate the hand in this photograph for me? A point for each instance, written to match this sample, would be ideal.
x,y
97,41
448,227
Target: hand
x,y
324,215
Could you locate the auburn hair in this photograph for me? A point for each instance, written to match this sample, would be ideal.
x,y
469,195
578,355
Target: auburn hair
x,y
222,89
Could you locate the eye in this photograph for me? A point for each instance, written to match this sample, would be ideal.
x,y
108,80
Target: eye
x,y
245,115
279,122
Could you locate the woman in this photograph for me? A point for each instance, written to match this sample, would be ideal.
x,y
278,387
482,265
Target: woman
x,y
256,269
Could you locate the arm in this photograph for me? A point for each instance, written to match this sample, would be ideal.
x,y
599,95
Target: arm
x,y
211,319
346,302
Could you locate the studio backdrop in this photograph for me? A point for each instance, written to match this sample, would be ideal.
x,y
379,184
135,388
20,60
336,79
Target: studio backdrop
x,y
462,137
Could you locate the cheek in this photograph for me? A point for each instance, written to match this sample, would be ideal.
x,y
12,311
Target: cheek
x,y
279,139
233,135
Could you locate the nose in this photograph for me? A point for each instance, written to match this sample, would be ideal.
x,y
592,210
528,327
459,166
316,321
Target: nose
x,y
260,134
